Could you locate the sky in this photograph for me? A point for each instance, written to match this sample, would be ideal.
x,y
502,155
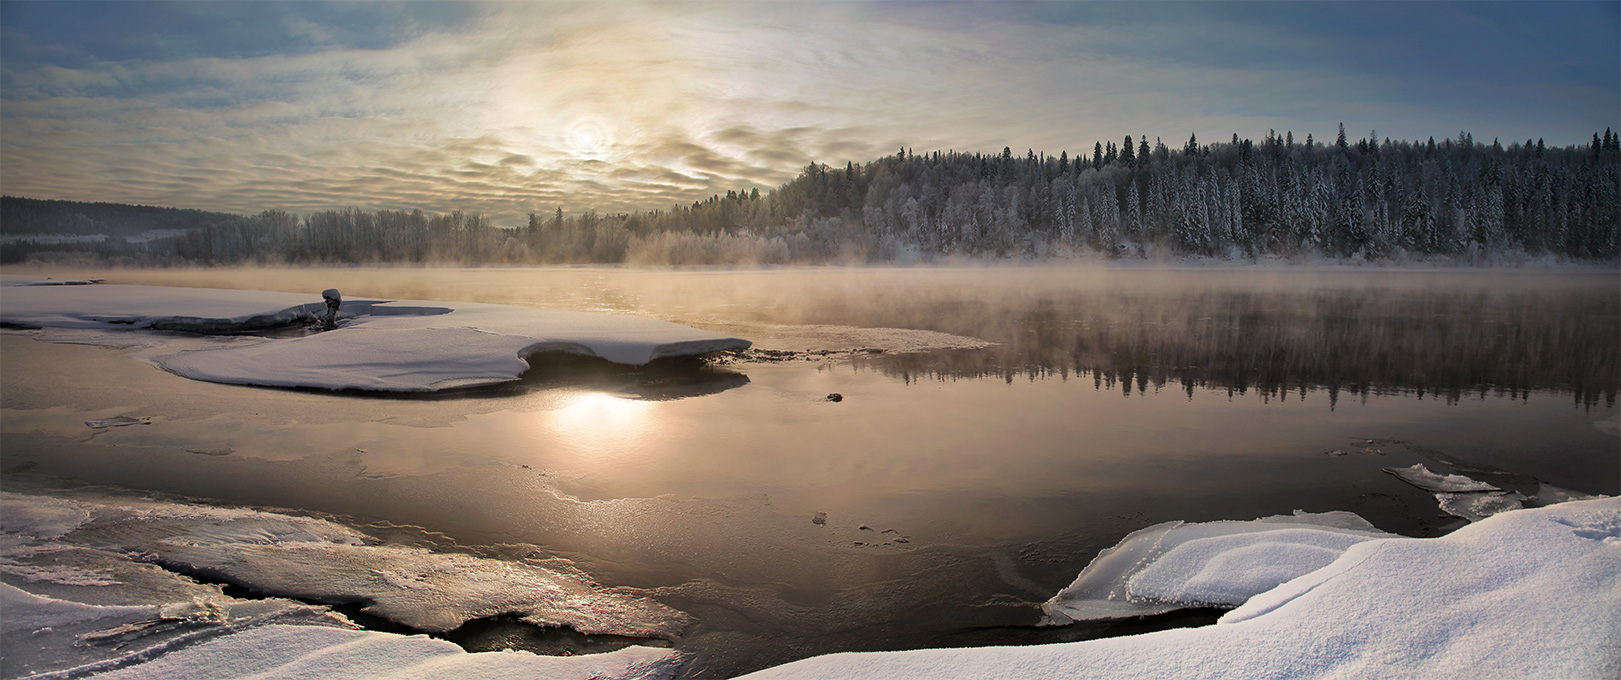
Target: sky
x,y
510,108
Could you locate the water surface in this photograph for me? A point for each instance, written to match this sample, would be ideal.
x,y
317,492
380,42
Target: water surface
x,y
950,492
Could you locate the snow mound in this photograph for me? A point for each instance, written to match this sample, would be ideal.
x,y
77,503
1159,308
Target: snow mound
x,y
383,346
314,559
1177,565
1421,477
1532,593
281,651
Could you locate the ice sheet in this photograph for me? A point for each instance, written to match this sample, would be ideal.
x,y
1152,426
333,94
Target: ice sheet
x,y
1531,593
1176,565
386,346
314,559
280,651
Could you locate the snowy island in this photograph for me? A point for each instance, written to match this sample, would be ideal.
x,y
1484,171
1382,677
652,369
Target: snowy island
x,y
381,345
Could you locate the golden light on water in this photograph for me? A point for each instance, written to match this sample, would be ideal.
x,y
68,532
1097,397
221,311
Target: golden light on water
x,y
601,423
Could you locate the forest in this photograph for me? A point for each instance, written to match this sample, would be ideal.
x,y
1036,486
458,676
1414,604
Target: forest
x,y
1368,199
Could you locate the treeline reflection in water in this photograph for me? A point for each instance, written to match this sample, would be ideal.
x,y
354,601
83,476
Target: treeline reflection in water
x,y
1426,343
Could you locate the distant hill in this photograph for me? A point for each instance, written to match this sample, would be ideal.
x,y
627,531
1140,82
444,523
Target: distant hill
x,y
21,217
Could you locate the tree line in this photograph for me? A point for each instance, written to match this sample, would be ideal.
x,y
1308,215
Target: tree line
x,y
1369,198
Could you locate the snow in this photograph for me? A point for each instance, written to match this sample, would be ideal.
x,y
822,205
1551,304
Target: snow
x,y
1176,565
297,652
1532,593
381,345
138,620
27,612
315,559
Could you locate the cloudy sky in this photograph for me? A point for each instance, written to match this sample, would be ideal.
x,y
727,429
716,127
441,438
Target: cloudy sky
x,y
517,107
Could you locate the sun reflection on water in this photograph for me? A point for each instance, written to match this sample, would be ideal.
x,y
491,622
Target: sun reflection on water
x,y
598,422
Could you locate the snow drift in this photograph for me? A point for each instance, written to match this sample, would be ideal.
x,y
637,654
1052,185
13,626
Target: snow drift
x,y
1177,565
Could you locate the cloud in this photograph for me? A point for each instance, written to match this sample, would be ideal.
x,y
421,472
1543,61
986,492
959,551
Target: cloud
x,y
508,108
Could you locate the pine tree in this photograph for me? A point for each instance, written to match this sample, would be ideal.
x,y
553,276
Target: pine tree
x,y
1128,154
1192,148
1097,156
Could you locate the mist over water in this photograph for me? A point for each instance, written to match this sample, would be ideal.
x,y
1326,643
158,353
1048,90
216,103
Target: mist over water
x,y
1449,334
958,484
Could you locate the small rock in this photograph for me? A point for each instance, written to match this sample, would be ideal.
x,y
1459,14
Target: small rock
x,y
217,451
835,397
1335,452
903,539
820,519
864,528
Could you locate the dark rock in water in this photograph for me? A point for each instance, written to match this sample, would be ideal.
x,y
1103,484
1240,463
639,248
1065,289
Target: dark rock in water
x,y
835,397
219,451
820,519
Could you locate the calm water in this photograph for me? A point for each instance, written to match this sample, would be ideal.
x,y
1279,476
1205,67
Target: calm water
x,y
985,478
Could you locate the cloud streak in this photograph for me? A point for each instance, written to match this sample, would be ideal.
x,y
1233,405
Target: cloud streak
x,y
512,108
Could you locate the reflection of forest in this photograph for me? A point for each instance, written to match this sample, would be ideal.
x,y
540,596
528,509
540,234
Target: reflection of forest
x,y
1422,342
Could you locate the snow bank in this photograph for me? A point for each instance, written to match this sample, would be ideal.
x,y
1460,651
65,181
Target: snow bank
x,y
1525,594
279,651
384,346
1176,565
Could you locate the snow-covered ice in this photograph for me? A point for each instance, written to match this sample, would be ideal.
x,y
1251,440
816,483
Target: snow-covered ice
x,y
314,559
281,651
1532,593
263,649
1177,565
1478,506
398,346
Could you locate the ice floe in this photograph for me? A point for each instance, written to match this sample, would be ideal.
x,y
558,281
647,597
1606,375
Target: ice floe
x,y
1533,593
1423,478
1177,565
399,346
1458,495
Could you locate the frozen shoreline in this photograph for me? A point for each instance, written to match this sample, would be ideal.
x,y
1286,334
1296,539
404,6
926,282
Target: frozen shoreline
x,y
1529,593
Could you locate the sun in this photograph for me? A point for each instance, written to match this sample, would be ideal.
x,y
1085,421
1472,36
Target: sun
x,y
589,139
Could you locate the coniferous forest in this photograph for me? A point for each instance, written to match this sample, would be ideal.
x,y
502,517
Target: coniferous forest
x,y
1367,199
